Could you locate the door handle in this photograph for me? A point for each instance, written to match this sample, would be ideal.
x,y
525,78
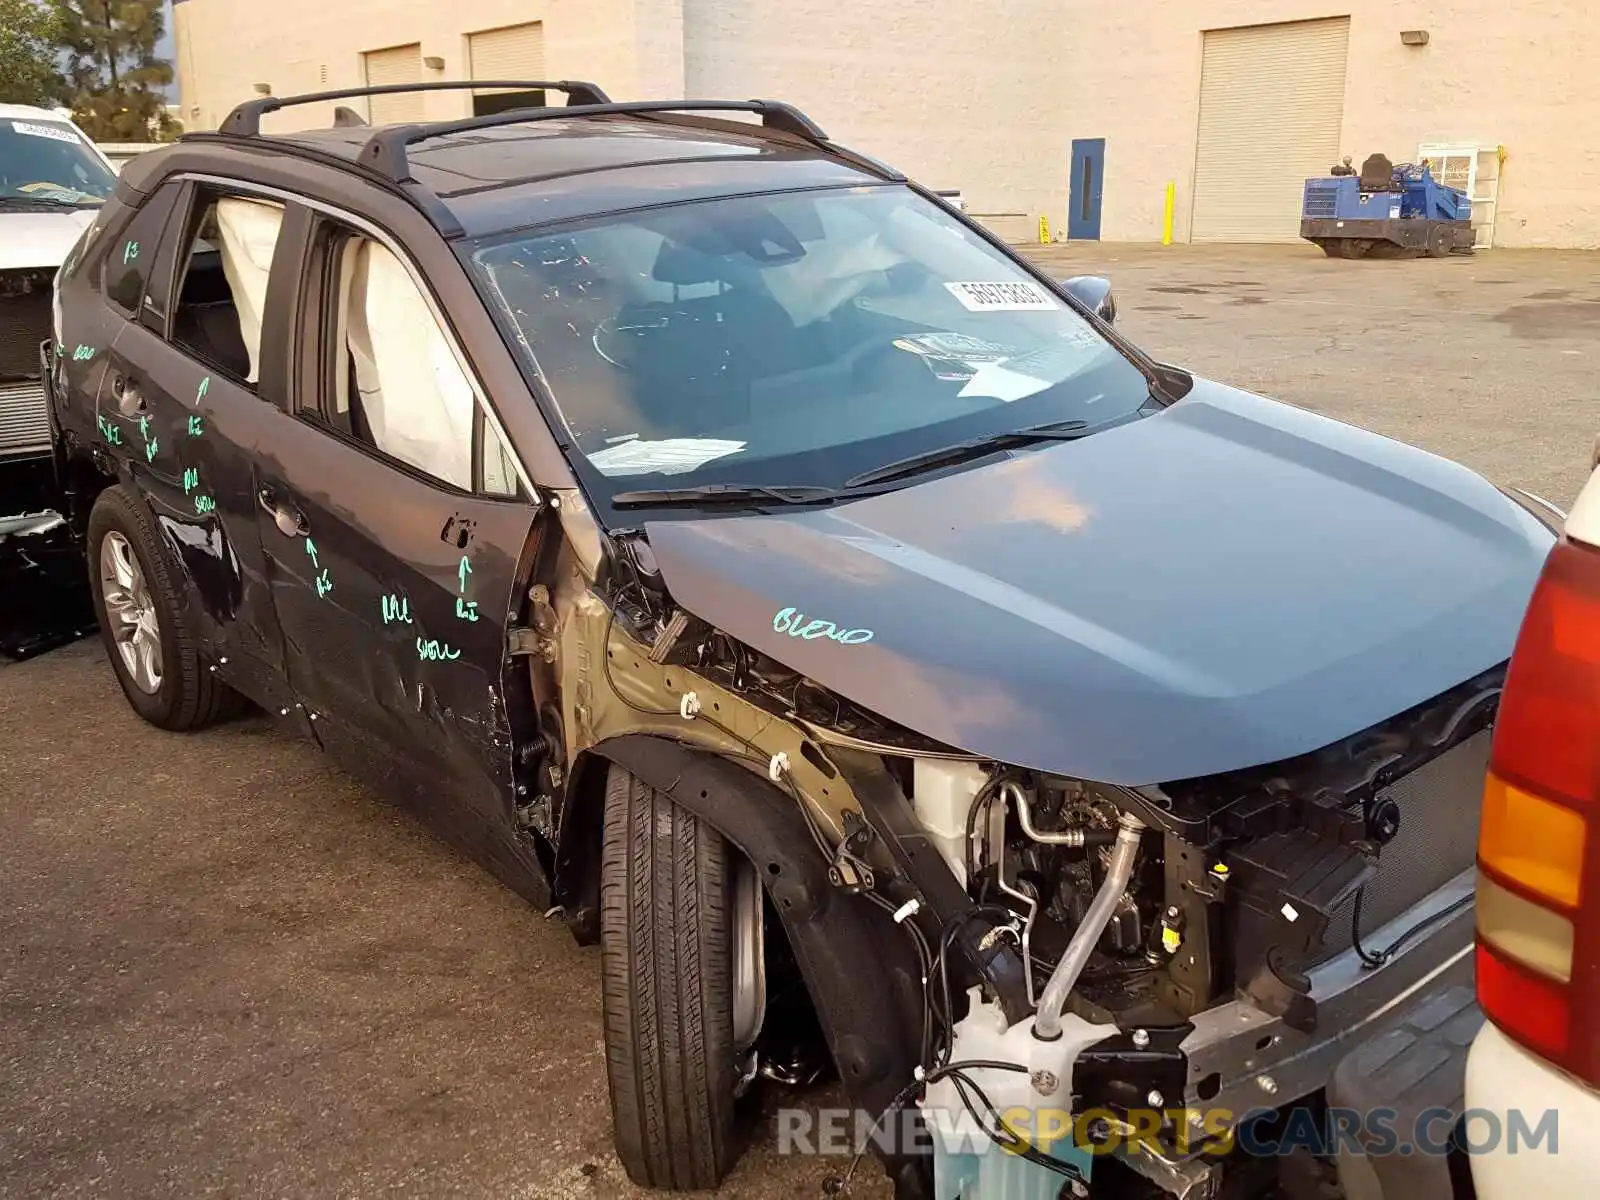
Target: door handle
x,y
291,522
130,400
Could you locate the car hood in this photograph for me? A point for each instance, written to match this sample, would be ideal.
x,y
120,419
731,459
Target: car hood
x,y
1227,583
40,239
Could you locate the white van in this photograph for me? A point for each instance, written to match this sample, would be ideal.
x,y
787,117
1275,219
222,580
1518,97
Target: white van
x,y
52,182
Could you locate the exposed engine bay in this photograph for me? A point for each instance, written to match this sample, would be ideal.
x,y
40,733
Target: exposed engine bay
x,y
1082,932
1201,912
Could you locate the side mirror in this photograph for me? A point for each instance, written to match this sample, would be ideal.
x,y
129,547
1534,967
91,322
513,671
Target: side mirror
x,y
1094,293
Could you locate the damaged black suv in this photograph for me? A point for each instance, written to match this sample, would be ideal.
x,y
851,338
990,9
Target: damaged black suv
x,y
753,560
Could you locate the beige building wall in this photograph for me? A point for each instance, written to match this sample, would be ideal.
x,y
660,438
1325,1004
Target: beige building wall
x,y
985,97
958,95
1521,76
226,47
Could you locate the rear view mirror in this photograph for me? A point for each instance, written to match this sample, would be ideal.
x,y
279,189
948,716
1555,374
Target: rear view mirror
x,y
1094,293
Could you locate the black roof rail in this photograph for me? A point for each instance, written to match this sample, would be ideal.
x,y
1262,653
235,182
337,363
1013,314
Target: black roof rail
x,y
245,119
420,198
385,150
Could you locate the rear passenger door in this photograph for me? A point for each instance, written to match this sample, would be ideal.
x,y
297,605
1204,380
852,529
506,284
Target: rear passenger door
x,y
396,532
180,407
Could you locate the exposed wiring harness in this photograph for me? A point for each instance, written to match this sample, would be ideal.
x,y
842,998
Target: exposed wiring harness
x,y
942,968
989,1119
1372,960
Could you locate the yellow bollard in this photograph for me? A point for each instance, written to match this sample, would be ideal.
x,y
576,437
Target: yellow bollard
x,y
1166,217
1044,230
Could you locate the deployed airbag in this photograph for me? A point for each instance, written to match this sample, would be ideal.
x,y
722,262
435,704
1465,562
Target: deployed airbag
x,y
414,396
249,234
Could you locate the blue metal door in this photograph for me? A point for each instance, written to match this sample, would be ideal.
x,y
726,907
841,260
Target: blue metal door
x,y
1088,183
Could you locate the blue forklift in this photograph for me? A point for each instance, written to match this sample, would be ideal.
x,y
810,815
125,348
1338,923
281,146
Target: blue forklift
x,y
1386,211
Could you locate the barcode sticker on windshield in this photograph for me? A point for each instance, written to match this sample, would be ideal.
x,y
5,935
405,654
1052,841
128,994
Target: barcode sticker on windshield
x,y
1002,297
58,133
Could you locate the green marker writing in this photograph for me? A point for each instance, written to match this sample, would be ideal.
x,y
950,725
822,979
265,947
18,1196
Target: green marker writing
x,y
196,428
204,504
434,651
463,571
205,386
311,549
191,480
150,448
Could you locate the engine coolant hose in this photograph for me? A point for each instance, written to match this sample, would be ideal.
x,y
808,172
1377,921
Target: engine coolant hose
x,y
1047,1022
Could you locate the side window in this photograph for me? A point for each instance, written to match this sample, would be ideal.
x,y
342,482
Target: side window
x,y
132,254
222,288
498,472
392,378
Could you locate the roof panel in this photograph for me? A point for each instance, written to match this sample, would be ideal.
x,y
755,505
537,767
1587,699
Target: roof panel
x,y
518,205
508,176
517,152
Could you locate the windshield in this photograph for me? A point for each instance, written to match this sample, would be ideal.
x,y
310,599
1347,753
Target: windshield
x,y
48,163
794,339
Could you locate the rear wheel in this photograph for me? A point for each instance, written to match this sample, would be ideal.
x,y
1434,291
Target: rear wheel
x,y
1439,242
143,622
675,978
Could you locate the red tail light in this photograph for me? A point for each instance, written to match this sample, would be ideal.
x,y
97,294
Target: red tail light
x,y
1539,848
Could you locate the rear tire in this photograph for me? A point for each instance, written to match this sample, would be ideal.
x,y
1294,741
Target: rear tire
x,y
666,914
186,694
1439,242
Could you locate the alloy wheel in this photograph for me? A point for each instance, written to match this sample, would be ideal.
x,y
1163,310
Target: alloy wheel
x,y
130,612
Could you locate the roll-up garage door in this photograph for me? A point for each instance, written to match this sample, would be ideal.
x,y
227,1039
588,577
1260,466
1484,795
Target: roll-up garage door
x,y
513,53
1271,106
398,64
516,52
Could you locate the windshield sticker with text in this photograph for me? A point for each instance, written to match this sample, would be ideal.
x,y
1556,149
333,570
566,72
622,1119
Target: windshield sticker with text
x,y
58,133
1017,296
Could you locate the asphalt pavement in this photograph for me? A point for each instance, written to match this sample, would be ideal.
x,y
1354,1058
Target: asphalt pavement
x,y
227,969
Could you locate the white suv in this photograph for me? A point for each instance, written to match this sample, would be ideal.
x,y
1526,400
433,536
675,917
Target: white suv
x,y
53,181
1538,903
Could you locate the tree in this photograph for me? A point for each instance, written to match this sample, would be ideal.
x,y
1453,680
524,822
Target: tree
x,y
112,71
28,40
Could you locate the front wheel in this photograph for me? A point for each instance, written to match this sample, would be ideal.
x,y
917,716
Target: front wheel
x,y
669,958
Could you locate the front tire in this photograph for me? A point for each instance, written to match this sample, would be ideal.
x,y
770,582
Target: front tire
x,y
666,915
142,620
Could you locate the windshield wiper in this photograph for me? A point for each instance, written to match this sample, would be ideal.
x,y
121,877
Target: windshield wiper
x,y
727,493
47,202
1055,431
